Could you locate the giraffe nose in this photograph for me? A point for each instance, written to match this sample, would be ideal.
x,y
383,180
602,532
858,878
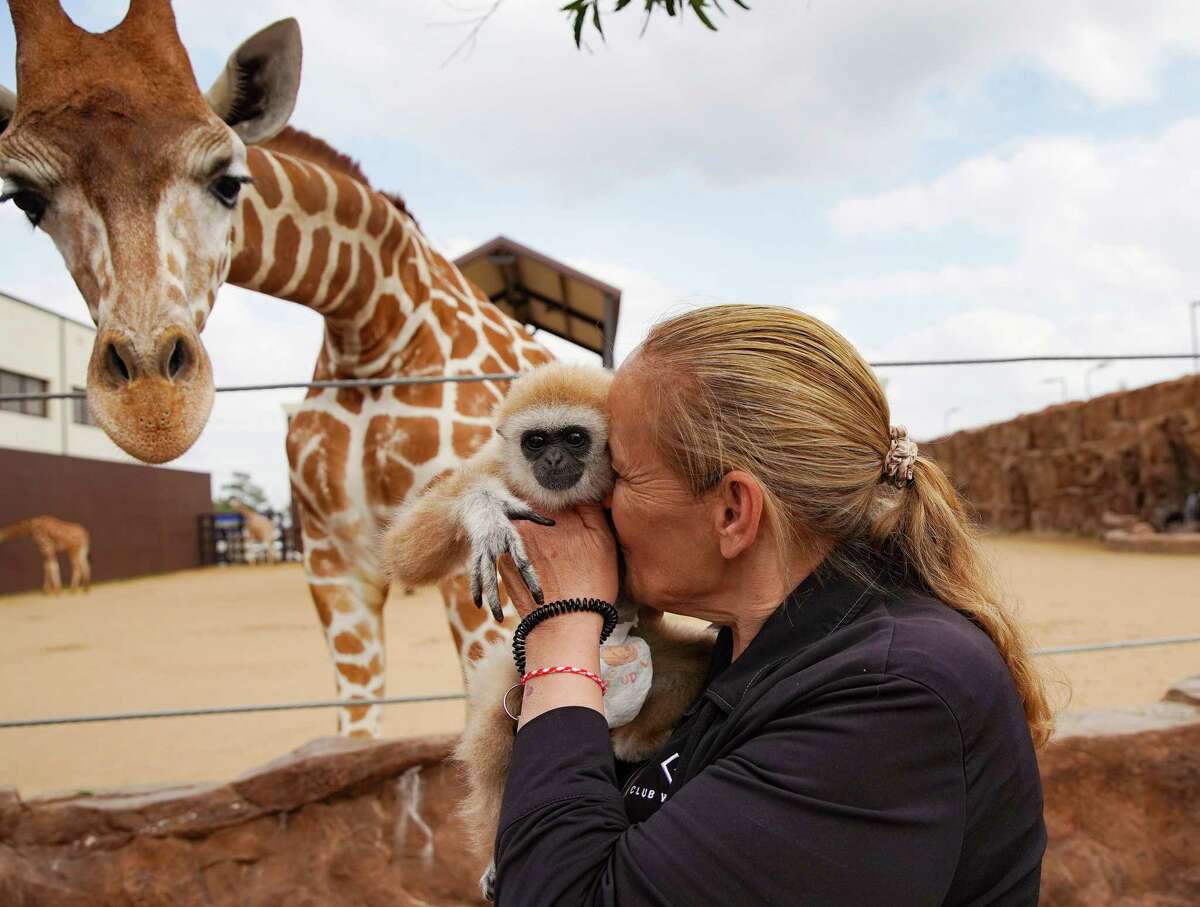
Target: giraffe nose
x,y
172,357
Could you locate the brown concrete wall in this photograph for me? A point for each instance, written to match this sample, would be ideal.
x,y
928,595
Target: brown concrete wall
x,y
142,519
1135,452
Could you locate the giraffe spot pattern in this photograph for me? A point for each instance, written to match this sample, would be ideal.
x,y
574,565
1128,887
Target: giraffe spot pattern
x,y
348,644
376,336
287,245
422,356
325,563
348,205
388,477
266,185
323,468
502,344
476,398
249,255
350,399
318,258
309,191
341,271
381,213
356,674
467,439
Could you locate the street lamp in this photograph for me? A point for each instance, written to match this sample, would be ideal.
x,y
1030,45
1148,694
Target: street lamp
x,y
1087,377
1195,337
946,418
1062,381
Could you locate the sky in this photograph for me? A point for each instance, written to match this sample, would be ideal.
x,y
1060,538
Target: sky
x,y
934,178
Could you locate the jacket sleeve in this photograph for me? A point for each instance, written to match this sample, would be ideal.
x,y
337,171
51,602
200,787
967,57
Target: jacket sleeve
x,y
855,796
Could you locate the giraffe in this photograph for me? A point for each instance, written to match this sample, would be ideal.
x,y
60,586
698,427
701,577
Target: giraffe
x,y
259,528
52,535
155,194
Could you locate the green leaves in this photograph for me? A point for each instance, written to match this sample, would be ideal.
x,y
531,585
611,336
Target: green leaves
x,y
577,11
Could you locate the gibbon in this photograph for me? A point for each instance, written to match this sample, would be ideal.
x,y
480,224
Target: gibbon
x,y
549,453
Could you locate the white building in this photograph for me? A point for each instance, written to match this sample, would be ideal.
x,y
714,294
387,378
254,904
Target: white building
x,y
44,352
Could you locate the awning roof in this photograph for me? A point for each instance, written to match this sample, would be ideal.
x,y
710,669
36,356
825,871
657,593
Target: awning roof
x,y
546,294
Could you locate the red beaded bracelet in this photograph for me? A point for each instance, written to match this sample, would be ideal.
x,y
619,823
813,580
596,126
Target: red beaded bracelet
x,y
566,669
558,669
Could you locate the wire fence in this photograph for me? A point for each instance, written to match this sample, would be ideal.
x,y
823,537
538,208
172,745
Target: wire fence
x,y
443,379
510,376
451,697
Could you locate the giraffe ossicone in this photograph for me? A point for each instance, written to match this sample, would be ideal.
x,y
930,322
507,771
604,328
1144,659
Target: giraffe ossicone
x,y
156,194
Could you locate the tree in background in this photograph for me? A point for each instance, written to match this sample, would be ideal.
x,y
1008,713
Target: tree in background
x,y
241,488
581,10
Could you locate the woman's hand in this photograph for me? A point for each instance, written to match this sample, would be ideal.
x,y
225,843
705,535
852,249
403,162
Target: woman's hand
x,y
575,558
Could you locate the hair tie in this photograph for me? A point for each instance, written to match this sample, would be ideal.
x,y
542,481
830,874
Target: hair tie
x,y
898,464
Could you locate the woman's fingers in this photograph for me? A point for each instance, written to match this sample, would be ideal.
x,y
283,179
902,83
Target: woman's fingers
x,y
514,585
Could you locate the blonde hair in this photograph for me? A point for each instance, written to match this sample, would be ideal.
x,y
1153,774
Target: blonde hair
x,y
786,398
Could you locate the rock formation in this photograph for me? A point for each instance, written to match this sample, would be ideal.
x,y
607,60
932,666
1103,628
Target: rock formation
x,y
1133,452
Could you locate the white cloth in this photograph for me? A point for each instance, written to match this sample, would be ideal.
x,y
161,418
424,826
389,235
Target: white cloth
x,y
626,668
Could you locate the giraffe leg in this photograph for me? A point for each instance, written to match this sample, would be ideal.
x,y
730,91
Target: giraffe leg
x,y
52,580
76,573
351,613
350,608
85,568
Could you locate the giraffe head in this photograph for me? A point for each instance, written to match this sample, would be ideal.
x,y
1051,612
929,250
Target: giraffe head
x,y
111,148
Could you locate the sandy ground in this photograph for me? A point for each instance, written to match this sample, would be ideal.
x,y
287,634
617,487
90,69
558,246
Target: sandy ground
x,y
249,635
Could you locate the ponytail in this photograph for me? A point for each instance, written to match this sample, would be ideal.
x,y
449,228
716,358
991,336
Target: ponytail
x,y
935,538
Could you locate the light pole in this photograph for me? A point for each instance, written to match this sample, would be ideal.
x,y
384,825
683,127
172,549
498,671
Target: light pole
x,y
1087,377
1195,337
946,418
1060,380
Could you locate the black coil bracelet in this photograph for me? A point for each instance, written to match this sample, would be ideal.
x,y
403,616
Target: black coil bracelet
x,y
553,609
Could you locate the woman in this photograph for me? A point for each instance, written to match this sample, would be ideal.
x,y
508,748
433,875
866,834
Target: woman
x,y
867,733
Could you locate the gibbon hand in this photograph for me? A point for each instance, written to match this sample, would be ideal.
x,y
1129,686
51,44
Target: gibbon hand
x,y
575,558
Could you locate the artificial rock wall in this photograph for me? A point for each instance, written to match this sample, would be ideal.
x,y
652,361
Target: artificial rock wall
x,y
372,824
1132,452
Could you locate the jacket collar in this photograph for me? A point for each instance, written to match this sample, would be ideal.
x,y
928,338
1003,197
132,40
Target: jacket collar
x,y
814,609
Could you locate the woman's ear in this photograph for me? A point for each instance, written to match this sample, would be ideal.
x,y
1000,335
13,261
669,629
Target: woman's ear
x,y
738,512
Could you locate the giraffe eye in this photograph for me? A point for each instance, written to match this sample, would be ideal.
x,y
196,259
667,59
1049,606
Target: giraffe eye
x,y
30,202
226,189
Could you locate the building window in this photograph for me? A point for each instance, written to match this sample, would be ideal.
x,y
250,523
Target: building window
x,y
12,383
79,409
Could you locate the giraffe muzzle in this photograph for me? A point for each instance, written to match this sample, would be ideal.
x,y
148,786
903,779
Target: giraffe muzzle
x,y
151,397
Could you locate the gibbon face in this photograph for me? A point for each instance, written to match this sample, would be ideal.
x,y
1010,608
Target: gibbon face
x,y
557,458
558,455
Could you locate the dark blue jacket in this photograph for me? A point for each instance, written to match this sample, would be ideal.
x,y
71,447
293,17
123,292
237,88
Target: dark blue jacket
x,y
868,747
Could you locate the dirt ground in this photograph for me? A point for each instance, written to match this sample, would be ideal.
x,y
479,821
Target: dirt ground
x,y
249,635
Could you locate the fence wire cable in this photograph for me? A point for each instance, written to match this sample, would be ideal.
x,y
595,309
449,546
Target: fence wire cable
x,y
300,385
231,710
442,379
447,697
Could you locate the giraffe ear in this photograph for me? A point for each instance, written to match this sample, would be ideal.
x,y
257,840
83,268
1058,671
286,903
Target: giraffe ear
x,y
8,104
256,91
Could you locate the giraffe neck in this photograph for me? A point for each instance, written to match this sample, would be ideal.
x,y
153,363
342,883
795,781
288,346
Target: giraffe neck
x,y
15,530
392,306
317,237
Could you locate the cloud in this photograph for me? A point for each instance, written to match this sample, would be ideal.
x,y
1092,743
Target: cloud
x,y
787,90
1102,225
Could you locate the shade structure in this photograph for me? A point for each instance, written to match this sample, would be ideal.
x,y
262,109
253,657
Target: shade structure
x,y
546,294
